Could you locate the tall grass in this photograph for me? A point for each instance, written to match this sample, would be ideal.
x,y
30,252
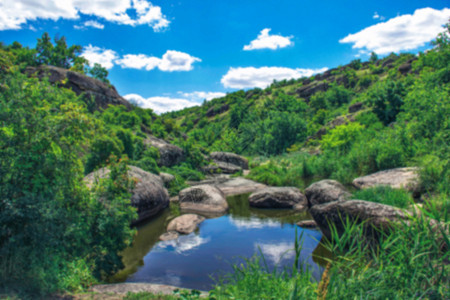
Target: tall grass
x,y
385,195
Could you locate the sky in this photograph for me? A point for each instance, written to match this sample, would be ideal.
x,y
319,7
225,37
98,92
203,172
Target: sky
x,y
167,55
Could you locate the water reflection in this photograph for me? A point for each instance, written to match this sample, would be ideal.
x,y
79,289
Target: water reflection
x,y
277,252
182,244
196,260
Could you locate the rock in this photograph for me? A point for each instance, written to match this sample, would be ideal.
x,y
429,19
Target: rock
x,y
278,197
237,186
127,287
307,224
169,155
185,224
375,216
221,168
149,195
103,94
355,107
206,199
231,158
166,178
307,91
325,191
398,178
168,236
216,111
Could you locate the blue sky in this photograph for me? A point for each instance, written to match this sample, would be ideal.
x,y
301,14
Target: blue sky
x,y
168,55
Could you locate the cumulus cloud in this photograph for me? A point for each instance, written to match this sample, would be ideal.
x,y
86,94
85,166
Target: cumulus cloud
x,y
128,12
198,96
91,23
105,57
267,41
139,61
170,61
160,104
404,32
251,77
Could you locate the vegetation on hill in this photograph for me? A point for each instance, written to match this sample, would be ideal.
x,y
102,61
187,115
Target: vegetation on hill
x,y
55,234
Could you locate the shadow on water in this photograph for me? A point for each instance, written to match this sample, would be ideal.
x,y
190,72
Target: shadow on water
x,y
196,260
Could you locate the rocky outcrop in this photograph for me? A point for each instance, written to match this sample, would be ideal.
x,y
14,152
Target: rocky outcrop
x,y
220,167
308,90
230,158
278,197
325,191
226,163
185,224
169,155
149,195
166,178
103,94
398,178
375,216
216,111
355,107
203,199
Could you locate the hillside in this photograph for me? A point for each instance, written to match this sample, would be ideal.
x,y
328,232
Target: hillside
x,y
61,119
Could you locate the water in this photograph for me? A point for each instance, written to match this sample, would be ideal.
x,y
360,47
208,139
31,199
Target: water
x,y
197,260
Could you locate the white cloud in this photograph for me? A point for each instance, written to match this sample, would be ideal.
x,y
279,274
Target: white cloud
x,y
377,16
105,57
139,61
90,23
267,41
198,96
160,104
15,13
404,32
177,61
170,61
94,24
251,77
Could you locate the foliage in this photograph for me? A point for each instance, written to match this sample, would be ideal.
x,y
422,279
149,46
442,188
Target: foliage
x,y
59,54
385,195
387,100
54,233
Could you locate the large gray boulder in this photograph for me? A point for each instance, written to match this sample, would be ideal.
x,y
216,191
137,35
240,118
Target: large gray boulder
x,y
278,197
169,155
406,178
230,158
203,199
375,216
149,195
325,191
185,224
102,93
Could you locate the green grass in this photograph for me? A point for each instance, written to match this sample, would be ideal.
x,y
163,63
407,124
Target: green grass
x,y
385,195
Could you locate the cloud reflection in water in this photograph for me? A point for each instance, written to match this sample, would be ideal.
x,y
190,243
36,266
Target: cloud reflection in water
x,y
183,243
